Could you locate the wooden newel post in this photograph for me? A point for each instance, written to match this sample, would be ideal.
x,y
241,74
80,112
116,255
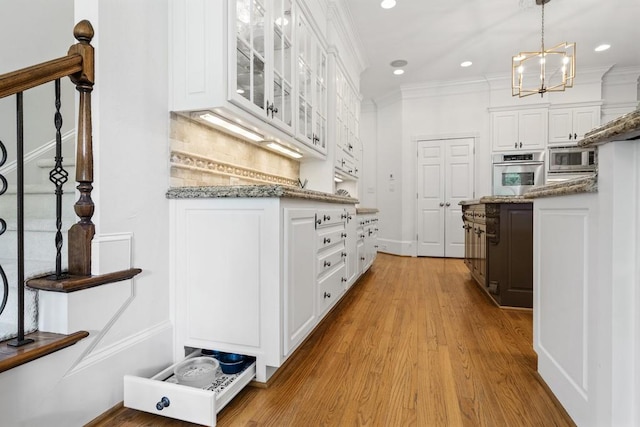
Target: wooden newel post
x,y
81,233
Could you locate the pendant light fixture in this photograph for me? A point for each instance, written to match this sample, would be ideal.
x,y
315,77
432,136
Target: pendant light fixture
x,y
548,70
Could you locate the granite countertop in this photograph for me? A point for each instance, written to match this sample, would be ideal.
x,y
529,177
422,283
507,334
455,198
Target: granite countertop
x,y
625,127
255,191
587,184
364,211
495,199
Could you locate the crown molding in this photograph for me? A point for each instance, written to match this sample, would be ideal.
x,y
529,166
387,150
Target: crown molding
x,y
340,16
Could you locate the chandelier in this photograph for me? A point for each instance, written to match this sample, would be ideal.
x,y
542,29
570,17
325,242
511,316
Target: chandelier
x,y
548,70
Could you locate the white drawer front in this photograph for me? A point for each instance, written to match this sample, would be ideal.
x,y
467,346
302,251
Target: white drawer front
x,y
185,403
331,288
330,259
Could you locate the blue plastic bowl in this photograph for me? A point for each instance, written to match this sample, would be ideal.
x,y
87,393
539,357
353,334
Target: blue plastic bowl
x,y
231,363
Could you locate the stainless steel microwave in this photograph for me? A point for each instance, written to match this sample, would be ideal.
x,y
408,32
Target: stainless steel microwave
x,y
572,159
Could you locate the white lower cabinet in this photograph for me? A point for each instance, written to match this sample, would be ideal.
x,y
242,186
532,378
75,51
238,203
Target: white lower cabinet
x,y
162,395
299,276
252,276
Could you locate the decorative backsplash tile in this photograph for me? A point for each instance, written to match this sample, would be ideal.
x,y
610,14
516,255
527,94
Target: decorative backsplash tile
x,y
203,156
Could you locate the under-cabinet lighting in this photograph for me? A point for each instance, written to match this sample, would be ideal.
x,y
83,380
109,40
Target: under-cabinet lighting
x,y
284,150
336,178
232,127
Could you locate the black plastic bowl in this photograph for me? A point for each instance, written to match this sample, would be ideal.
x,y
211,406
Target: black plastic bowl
x,y
231,363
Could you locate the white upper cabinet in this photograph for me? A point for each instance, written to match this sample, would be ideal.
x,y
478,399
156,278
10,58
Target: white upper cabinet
x,y
261,59
524,129
255,62
347,125
312,87
568,125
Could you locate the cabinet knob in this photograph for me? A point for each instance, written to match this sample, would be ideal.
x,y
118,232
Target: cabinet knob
x,y
327,240
521,145
327,263
343,254
441,204
515,145
361,258
327,218
164,402
570,136
343,235
344,279
575,136
327,295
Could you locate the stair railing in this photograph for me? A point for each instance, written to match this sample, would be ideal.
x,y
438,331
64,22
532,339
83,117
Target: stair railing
x,y
78,65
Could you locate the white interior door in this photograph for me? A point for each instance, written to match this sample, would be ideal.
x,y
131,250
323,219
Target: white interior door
x,y
445,177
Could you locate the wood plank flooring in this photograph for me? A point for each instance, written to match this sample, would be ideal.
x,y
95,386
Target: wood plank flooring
x,y
415,342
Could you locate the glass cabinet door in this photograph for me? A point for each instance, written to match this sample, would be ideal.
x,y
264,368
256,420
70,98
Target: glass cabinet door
x,y
281,105
305,103
250,51
320,125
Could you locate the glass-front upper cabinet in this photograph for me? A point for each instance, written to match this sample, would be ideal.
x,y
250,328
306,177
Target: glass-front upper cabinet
x,y
311,87
262,61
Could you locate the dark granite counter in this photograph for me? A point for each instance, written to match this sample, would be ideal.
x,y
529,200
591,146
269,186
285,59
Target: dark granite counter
x,y
587,184
255,191
625,127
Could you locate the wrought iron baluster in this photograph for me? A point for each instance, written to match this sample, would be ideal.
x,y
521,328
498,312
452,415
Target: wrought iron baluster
x,y
3,228
20,339
58,176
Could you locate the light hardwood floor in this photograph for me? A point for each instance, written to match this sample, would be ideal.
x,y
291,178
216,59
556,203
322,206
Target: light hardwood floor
x,y
415,342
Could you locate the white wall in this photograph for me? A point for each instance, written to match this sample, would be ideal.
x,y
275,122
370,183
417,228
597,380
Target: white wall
x,y
129,321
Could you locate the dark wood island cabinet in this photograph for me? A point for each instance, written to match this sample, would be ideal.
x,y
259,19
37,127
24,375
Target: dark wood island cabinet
x,y
499,248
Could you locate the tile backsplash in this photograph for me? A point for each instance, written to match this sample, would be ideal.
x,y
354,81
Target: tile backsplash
x,y
203,156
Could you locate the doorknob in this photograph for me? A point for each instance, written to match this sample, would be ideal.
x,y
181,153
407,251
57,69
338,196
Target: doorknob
x,y
441,204
447,204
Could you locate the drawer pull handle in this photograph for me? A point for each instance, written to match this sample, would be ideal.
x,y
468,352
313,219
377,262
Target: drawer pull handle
x,y
327,263
343,254
164,402
343,235
327,295
344,279
327,240
327,218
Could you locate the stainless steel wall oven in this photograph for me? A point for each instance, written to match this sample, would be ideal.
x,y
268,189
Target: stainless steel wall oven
x,y
515,173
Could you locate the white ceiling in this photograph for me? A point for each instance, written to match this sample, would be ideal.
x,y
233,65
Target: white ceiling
x,y
436,36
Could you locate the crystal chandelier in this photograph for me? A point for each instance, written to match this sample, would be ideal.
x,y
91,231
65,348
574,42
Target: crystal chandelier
x,y
548,70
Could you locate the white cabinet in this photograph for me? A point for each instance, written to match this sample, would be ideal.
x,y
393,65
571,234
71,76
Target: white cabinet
x,y
255,275
299,276
254,62
311,87
352,271
331,236
367,244
568,125
524,129
347,125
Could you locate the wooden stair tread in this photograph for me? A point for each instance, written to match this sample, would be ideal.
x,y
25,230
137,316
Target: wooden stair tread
x,y
44,343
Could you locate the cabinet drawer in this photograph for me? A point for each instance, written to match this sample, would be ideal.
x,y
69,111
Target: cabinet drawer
x,y
330,259
331,237
330,217
195,405
331,288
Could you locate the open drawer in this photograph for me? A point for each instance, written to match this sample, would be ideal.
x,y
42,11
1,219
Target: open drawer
x,y
162,395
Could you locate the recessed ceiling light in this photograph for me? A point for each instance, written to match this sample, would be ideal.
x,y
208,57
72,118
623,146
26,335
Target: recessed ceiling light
x,y
602,47
398,72
466,64
398,63
387,4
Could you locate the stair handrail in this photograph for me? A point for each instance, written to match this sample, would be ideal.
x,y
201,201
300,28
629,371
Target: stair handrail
x,y
78,65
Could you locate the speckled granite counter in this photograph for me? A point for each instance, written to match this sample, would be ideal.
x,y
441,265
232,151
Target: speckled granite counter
x,y
365,211
255,191
495,199
623,128
588,184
